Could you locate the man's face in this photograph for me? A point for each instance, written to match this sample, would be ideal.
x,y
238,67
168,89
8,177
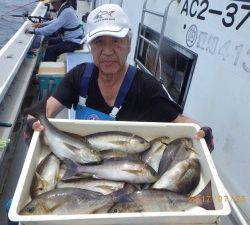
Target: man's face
x,y
110,53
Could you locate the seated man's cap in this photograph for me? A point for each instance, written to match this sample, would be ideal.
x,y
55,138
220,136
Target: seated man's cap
x,y
107,19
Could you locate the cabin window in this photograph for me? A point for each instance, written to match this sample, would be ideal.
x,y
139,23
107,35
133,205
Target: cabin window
x,y
175,65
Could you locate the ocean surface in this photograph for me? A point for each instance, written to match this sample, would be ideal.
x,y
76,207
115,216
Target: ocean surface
x,y
8,24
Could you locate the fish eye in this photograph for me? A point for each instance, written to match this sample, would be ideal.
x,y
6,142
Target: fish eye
x,y
116,210
142,141
30,209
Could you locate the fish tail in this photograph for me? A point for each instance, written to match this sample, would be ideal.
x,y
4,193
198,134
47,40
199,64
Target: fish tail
x,y
37,110
71,169
206,198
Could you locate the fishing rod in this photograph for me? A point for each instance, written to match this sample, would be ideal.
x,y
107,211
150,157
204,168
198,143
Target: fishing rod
x,y
33,19
19,7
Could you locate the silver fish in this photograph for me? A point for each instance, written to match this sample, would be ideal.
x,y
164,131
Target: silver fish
x,y
103,186
161,201
61,144
68,201
176,151
116,140
153,155
46,176
182,178
117,169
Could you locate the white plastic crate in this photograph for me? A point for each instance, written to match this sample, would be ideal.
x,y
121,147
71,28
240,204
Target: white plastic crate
x,y
148,131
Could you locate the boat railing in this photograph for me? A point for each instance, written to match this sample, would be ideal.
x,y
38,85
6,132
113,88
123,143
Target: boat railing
x,y
157,46
14,51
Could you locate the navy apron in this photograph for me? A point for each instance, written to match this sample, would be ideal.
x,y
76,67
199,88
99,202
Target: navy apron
x,y
86,113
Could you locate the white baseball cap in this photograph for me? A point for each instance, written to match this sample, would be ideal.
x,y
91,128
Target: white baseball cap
x,y
107,19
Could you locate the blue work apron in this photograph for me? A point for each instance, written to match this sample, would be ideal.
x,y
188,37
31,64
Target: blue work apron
x,y
86,113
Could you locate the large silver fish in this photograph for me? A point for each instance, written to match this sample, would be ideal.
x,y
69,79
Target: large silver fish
x,y
67,201
46,176
103,186
116,140
176,151
153,155
182,178
161,201
117,169
61,144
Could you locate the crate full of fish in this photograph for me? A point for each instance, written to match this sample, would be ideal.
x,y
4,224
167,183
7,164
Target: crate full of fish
x,y
106,172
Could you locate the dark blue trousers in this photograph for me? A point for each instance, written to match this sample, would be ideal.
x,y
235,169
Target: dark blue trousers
x,y
56,47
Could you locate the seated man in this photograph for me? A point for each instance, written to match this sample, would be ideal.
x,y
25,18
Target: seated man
x,y
111,89
67,24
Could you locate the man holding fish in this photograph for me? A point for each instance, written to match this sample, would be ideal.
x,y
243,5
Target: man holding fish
x,y
110,88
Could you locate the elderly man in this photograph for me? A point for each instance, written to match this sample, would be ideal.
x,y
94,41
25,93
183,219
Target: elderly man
x,y
111,89
68,26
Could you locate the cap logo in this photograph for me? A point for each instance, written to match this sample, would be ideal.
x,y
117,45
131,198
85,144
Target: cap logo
x,y
104,15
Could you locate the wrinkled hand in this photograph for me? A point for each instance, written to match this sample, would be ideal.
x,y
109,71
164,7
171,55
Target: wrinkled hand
x,y
32,124
37,25
207,134
29,31
37,126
